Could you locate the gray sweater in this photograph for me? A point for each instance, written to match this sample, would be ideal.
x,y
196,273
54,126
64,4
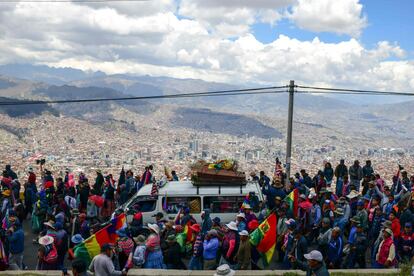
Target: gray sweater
x,y
102,265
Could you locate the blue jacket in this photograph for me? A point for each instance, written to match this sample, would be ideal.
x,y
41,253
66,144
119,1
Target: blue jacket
x,y
210,249
335,247
272,192
16,241
352,235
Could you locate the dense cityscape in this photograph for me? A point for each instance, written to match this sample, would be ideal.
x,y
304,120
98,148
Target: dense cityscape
x,y
81,146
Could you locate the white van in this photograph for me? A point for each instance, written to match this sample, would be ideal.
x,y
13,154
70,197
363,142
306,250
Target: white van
x,y
223,201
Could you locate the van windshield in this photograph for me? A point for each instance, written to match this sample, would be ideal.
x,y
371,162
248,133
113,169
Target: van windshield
x,y
143,204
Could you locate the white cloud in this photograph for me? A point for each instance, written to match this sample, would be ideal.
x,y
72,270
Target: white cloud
x,y
338,16
232,17
161,43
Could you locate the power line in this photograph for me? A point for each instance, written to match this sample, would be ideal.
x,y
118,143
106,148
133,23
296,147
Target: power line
x,y
369,93
357,90
69,1
234,92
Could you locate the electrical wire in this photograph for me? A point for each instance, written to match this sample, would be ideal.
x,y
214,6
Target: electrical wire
x,y
356,90
234,92
69,1
370,93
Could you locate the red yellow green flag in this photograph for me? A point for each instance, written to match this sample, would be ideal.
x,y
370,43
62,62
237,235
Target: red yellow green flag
x,y
293,200
92,245
264,238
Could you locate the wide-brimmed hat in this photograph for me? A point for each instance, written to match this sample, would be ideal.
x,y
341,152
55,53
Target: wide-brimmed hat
x,y
355,219
49,224
389,231
224,270
352,194
241,215
339,211
244,233
6,193
46,240
232,225
246,206
342,199
154,227
140,239
77,239
278,184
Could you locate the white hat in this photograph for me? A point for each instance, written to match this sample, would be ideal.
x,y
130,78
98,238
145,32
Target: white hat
x,y
241,215
46,240
49,224
314,255
232,225
154,227
224,270
246,206
311,195
389,231
244,233
352,194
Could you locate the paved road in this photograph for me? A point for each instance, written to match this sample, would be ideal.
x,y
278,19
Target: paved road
x,y
30,249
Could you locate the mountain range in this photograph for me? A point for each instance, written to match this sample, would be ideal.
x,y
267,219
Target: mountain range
x,y
212,114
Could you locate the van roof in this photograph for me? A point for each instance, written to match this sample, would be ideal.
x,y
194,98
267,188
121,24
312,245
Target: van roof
x,y
187,188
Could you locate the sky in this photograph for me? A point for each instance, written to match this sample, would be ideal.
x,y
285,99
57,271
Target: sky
x,y
337,43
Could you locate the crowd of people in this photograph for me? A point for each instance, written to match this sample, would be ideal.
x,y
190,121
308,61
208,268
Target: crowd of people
x,y
342,217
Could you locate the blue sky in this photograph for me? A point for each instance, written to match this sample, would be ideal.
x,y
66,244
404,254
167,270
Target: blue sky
x,y
387,20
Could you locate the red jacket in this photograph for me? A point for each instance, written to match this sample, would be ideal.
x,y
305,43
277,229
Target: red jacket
x,y
396,228
384,251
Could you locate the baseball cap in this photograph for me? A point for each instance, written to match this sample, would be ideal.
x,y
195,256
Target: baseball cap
x,y
314,255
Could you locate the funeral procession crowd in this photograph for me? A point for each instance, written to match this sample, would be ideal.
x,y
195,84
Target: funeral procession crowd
x,y
345,216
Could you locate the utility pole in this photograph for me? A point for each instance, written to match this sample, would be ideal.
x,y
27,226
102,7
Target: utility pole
x,y
289,129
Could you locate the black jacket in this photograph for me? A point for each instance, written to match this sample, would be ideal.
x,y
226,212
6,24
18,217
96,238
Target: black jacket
x,y
173,258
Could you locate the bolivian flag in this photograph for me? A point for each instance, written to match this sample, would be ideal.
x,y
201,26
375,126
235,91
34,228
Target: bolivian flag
x,y
293,200
264,238
92,245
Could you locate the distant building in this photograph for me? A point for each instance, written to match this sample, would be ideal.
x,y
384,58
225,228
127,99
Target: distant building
x,y
194,145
